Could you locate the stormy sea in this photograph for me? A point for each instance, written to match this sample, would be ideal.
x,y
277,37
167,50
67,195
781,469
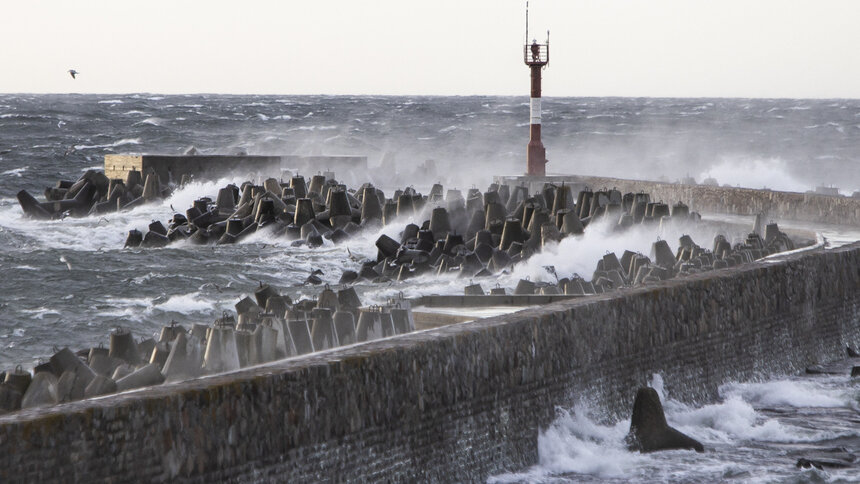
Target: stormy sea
x,y
69,282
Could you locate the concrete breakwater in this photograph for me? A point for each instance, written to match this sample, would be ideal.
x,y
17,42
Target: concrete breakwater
x,y
806,207
455,403
93,193
477,236
269,327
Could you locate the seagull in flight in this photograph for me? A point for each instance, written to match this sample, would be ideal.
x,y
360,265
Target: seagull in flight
x,y
73,73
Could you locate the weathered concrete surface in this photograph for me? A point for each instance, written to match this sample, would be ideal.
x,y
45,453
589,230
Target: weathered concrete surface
x,y
710,199
172,167
456,403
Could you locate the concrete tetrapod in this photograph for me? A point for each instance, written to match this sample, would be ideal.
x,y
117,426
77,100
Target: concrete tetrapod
x,y
122,346
347,300
344,327
369,326
403,320
221,352
18,379
145,376
301,336
285,346
323,333
268,337
649,431
10,399
387,323
177,365
71,386
101,385
42,391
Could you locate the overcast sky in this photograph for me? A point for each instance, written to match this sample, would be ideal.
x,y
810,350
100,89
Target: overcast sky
x,y
745,48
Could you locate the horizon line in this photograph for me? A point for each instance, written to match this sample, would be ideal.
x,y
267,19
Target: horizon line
x,y
614,96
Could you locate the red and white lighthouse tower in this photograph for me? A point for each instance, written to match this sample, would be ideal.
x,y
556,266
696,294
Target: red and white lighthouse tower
x,y
536,56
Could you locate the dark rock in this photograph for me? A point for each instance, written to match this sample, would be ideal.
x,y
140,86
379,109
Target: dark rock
x,y
649,431
819,370
837,458
348,276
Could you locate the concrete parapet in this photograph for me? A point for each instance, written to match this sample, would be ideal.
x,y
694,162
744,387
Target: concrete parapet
x,y
806,207
456,403
171,168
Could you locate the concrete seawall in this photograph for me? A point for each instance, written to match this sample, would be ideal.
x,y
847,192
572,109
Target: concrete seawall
x,y
804,207
173,167
456,403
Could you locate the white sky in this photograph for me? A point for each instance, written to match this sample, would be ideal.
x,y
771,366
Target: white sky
x,y
749,48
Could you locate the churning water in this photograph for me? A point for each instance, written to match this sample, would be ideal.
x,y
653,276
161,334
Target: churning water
x,y
68,282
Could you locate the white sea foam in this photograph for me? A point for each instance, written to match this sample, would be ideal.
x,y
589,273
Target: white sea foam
x,y
122,142
770,173
792,393
580,254
575,444
732,420
153,121
186,303
15,171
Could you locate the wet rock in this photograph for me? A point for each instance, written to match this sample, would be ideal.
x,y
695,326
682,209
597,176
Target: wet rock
x,y
348,277
649,431
836,458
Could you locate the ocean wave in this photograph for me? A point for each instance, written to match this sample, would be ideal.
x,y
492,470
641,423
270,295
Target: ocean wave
x,y
111,101
735,419
37,313
186,303
154,121
15,171
450,129
35,117
313,128
599,116
122,142
790,393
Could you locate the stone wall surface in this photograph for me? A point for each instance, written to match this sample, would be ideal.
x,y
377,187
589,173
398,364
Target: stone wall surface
x,y
806,207
457,403
173,167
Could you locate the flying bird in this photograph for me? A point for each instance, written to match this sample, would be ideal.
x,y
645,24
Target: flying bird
x,y
73,73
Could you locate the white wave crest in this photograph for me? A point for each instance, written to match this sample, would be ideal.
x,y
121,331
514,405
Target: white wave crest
x,y
122,142
154,121
790,393
15,171
755,173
